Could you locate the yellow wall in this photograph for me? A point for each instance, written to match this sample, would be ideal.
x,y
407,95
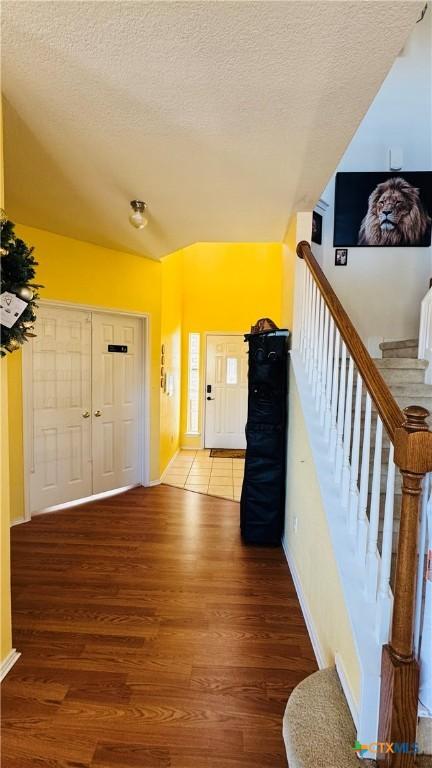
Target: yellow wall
x,y
226,287
289,258
311,549
171,322
74,271
5,627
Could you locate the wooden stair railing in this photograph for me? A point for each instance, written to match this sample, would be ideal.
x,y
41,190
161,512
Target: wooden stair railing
x,y
412,440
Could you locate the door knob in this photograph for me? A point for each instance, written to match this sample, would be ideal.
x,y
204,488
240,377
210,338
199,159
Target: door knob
x,y
97,413
211,398
86,415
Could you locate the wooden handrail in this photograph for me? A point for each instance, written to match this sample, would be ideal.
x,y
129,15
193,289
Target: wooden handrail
x,y
391,415
412,439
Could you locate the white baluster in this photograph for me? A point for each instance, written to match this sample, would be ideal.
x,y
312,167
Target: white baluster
x,y
328,390
354,490
308,340
341,416
316,342
303,310
305,336
309,369
421,565
362,521
334,397
346,470
318,390
385,597
322,400
372,558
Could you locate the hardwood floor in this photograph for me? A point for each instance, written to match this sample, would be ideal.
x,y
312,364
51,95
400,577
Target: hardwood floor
x,y
150,636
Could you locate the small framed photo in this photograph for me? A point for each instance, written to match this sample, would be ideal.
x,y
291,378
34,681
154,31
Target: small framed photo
x,y
317,222
341,257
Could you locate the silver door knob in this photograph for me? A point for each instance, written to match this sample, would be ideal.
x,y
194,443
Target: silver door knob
x,y
86,415
97,413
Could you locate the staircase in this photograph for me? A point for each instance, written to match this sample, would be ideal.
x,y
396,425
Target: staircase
x,y
405,375
368,427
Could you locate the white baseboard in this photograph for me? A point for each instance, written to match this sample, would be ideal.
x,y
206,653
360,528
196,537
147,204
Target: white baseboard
x,y
343,679
151,483
8,662
316,645
168,466
19,521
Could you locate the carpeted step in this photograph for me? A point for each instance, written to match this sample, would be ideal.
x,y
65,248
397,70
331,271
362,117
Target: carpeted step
x,y
405,348
318,729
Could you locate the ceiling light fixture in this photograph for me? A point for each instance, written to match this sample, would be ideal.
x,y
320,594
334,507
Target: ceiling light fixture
x,y
137,218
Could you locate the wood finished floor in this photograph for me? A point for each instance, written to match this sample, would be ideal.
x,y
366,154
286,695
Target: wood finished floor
x,y
150,636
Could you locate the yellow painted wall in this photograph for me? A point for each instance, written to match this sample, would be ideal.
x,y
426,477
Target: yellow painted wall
x,y
289,257
227,287
79,272
171,322
311,549
5,607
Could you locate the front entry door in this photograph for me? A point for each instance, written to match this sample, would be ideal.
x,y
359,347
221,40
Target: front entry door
x,y
116,401
226,392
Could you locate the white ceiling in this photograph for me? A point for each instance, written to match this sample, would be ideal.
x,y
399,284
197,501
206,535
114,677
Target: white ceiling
x,y
226,117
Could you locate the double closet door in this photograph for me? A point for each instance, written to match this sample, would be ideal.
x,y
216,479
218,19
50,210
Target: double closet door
x,y
85,400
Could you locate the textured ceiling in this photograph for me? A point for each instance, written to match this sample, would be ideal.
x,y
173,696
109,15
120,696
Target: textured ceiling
x,y
226,117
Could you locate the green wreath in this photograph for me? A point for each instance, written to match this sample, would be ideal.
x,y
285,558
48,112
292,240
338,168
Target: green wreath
x,y
17,272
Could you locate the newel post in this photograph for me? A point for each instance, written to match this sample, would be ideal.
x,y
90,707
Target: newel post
x,y
399,668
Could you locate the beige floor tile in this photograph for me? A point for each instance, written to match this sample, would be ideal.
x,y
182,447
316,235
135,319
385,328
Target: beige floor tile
x,y
203,452
175,483
200,479
238,462
223,462
221,490
179,469
238,475
200,468
221,480
196,488
238,482
236,496
186,452
222,471
176,476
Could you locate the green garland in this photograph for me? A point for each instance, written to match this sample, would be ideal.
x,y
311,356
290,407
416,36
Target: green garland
x,y
17,272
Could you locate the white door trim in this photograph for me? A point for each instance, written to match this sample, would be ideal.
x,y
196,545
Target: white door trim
x,y
144,399
204,376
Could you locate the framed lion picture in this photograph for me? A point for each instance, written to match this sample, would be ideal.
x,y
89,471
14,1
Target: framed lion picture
x,y
382,210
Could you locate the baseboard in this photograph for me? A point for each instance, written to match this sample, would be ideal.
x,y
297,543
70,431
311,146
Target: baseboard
x,y
8,662
316,645
343,679
152,483
168,466
19,521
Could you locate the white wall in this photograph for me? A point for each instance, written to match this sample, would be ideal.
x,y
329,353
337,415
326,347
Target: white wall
x,y
381,288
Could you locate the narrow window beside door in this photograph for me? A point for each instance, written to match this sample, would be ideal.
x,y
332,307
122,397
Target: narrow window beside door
x,y
193,384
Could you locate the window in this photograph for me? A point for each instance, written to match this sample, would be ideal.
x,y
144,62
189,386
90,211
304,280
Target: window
x,y
193,383
231,370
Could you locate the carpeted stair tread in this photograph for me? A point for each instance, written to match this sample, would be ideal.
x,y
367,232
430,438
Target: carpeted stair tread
x,y
318,728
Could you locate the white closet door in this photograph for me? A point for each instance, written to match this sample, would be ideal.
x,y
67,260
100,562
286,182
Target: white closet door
x,y
226,392
60,433
116,407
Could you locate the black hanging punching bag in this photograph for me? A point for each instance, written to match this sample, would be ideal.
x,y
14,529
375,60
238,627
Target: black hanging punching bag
x,y
263,494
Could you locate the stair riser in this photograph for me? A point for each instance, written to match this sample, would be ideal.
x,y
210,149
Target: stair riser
x,y
404,352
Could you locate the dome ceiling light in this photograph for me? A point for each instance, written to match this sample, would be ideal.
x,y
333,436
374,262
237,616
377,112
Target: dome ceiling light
x,y
137,218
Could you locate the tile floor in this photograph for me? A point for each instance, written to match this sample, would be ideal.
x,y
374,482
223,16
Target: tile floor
x,y
197,471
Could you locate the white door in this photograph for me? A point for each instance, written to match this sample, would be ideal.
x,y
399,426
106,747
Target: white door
x,y
226,392
116,384
60,428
